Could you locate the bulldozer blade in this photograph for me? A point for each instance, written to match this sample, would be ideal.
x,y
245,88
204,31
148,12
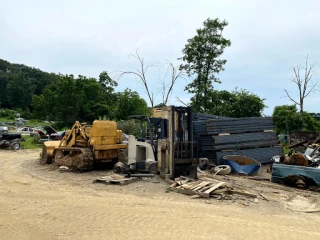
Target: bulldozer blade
x,y
47,154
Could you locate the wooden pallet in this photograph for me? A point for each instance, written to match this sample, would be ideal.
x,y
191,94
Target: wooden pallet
x,y
206,189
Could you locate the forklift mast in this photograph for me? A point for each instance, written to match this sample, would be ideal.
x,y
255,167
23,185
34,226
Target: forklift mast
x,y
175,144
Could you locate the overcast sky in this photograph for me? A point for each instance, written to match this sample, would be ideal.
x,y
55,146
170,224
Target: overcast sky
x,y
88,37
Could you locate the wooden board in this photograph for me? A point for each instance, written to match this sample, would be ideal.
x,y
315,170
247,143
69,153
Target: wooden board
x,y
220,184
199,186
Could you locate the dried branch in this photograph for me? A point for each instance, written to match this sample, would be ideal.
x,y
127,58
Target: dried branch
x,y
179,100
291,98
162,88
176,73
141,73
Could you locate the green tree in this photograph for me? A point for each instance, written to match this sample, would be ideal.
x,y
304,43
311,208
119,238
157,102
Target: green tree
x,y
222,103
247,104
20,89
130,127
4,78
18,83
130,103
202,60
316,116
72,99
108,86
287,119
236,104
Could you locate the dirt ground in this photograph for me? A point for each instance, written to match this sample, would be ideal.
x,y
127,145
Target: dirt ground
x,y
39,202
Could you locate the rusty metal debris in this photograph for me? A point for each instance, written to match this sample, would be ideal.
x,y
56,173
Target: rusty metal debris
x,y
301,170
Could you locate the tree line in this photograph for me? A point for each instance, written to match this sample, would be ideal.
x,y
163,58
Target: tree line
x,y
65,98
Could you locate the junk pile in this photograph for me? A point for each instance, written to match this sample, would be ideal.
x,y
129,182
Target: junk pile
x,y
208,188
233,163
221,136
298,137
301,170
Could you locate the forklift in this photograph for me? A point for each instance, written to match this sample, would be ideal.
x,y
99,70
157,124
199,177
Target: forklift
x,y
177,153
167,147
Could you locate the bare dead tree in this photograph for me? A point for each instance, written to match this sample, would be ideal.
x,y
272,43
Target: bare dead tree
x,y
141,73
175,73
179,100
166,87
163,89
302,77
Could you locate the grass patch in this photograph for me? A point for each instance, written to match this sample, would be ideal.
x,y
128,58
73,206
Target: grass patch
x,y
30,143
4,119
36,123
30,123
286,149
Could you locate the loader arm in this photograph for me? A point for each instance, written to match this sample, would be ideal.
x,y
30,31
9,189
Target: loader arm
x,y
77,133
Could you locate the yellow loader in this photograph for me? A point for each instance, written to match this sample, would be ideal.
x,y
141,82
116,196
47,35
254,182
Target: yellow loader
x,y
85,145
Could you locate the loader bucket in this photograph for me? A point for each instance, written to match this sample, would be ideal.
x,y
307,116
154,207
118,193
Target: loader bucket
x,y
47,151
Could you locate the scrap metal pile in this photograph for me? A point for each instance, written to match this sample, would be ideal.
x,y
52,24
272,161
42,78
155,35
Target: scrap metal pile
x,y
298,169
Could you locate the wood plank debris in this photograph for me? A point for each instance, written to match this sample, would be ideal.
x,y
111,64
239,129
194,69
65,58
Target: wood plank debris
x,y
263,197
207,188
115,179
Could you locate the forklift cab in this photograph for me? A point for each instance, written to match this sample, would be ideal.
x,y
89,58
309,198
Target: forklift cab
x,y
166,144
142,151
155,129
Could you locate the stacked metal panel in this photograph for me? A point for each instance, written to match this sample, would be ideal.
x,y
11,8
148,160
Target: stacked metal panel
x,y
239,125
218,136
201,136
199,129
204,117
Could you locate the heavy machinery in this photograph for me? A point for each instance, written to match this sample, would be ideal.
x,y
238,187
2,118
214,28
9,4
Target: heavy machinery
x,y
84,146
168,143
167,147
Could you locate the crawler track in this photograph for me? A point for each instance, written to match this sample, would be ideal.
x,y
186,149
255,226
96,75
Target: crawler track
x,y
79,159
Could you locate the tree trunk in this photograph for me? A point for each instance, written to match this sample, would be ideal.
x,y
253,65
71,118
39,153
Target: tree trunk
x,y
301,106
